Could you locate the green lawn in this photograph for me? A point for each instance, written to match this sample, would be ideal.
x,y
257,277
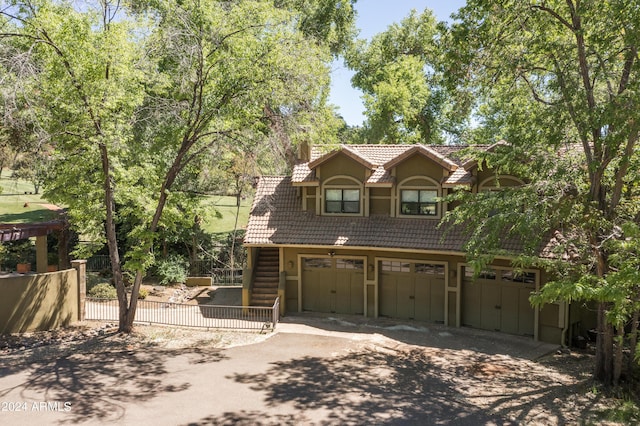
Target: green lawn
x,y
226,206
219,217
18,204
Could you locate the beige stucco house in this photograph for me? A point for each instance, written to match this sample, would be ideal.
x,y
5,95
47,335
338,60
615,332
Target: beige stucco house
x,y
355,231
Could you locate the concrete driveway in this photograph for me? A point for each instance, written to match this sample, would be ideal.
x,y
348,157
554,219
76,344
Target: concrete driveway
x,y
313,370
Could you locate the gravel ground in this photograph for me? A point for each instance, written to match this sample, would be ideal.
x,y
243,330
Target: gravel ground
x,y
556,389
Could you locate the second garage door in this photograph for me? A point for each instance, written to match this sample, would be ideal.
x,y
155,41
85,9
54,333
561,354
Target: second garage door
x,y
333,285
412,290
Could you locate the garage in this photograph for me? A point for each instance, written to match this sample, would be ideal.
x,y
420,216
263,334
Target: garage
x,y
412,290
498,300
333,285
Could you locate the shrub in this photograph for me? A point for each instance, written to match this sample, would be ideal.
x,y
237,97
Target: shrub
x,y
172,269
103,291
143,293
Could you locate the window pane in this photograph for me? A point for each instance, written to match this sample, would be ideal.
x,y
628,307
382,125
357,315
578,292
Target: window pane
x,y
334,194
349,264
351,195
351,206
333,206
428,196
409,208
429,269
410,196
428,209
317,262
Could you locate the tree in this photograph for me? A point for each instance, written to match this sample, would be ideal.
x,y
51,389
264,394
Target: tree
x,y
399,73
559,80
138,97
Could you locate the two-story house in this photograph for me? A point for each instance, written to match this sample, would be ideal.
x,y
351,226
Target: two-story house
x,y
355,231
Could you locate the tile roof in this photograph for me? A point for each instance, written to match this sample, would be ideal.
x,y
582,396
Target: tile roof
x,y
379,155
302,173
276,218
380,176
459,177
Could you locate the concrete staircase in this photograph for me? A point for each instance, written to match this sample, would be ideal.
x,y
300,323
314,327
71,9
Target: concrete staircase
x,y
266,278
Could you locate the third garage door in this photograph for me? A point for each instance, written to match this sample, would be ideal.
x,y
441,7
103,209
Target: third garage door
x,y
412,290
498,300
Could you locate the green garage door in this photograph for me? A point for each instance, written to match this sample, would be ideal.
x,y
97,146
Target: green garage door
x,y
412,290
333,285
498,300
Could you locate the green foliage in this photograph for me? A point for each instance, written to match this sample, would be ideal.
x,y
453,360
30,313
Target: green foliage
x,y
143,293
404,91
14,252
560,81
103,291
173,269
625,411
141,96
330,22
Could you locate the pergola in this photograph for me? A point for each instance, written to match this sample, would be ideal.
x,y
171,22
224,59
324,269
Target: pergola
x,y
22,231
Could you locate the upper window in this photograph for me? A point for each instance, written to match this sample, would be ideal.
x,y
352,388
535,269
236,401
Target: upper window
x,y
492,184
342,201
419,202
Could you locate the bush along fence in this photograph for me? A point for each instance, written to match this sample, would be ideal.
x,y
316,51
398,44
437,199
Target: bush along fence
x,y
197,268
188,315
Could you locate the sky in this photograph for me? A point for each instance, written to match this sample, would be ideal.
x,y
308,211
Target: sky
x,y
375,16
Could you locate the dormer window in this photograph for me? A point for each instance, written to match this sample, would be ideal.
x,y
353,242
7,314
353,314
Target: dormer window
x,y
419,197
420,202
342,201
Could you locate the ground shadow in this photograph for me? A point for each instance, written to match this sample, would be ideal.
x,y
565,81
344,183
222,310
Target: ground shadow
x,y
395,383
426,334
98,377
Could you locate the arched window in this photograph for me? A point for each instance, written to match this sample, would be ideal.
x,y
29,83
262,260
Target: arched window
x,y
419,197
496,184
342,195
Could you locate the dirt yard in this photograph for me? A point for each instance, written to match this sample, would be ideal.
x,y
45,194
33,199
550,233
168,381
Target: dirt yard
x,y
556,389
221,296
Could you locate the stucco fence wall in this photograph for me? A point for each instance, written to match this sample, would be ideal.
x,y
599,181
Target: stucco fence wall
x,y
42,301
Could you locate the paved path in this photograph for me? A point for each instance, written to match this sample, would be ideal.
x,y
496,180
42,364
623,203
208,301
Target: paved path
x,y
312,371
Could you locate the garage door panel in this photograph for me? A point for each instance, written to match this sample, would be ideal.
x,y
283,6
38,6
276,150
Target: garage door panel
x,y
357,294
388,296
490,306
406,299
437,299
423,300
342,293
471,308
526,314
510,310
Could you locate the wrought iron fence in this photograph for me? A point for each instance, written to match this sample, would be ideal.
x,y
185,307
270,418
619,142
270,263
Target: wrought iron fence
x,y
187,315
197,268
98,262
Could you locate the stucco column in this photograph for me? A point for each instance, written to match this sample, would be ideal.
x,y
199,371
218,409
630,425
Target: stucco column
x,y
81,269
42,260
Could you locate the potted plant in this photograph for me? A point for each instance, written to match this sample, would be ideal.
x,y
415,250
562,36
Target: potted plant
x,y
21,253
23,267
52,262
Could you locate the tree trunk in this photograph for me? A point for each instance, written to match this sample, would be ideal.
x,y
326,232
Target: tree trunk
x,y
617,361
112,242
633,342
604,347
